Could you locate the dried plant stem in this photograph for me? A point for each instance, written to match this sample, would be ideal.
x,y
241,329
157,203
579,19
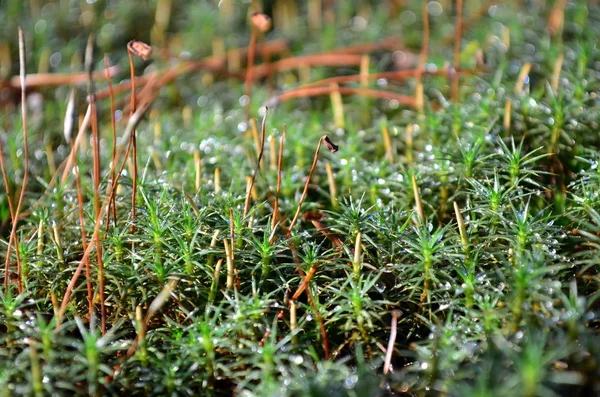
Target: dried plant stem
x,y
260,155
459,25
319,91
310,299
309,296
96,150
10,206
309,275
133,139
56,79
88,250
278,188
390,347
397,76
86,255
312,170
131,124
15,218
80,138
327,59
113,165
88,272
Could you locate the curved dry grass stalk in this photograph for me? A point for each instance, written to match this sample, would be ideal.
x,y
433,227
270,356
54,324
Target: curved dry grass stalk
x,y
332,148
15,219
260,155
56,79
320,91
278,188
89,64
390,347
114,140
133,141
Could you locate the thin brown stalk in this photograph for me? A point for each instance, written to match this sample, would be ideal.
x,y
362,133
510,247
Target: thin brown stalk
x,y
260,23
114,142
286,64
56,79
325,231
312,304
309,275
69,126
10,206
390,347
8,198
278,188
310,299
131,124
86,255
89,61
333,149
94,237
68,163
459,24
260,155
319,91
132,109
15,219
88,272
